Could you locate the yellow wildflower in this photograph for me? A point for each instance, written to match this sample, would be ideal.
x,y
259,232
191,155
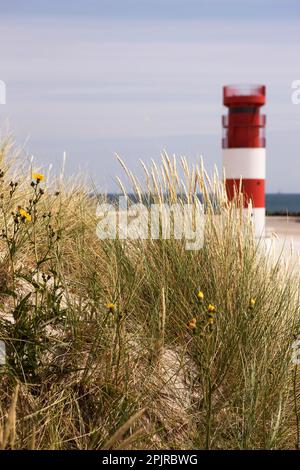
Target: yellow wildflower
x,y
192,324
200,295
111,307
25,215
38,177
211,308
252,303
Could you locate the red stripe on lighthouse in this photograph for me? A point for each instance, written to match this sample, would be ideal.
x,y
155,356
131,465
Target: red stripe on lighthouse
x,y
253,189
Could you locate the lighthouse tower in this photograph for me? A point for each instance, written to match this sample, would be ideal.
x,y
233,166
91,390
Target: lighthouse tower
x,y
244,153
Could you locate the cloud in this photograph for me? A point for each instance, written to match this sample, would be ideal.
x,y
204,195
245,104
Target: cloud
x,y
97,86
156,9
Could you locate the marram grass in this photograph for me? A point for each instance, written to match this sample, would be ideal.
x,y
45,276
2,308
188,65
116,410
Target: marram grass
x,y
143,344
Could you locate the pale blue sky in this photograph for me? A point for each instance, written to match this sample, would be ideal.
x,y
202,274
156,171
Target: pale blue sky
x,y
134,76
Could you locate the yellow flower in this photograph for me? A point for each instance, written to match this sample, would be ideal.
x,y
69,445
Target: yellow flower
x,y
38,177
25,215
211,308
200,295
111,307
252,303
211,320
192,324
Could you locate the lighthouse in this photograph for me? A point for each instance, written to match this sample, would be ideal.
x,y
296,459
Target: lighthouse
x,y
244,148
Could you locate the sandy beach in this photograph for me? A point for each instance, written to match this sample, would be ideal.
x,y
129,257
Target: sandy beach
x,y
283,226
285,233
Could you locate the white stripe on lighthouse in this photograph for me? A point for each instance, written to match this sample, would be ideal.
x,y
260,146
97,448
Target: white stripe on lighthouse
x,y
244,162
257,216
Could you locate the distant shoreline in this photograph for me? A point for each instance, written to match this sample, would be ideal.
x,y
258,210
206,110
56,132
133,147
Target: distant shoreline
x,y
282,214
277,204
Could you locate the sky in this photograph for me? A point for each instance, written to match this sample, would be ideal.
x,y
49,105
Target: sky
x,y
135,77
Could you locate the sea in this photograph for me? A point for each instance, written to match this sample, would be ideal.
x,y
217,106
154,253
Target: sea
x,y
283,203
276,203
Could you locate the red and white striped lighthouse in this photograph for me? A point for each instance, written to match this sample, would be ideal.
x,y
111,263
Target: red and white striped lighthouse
x,y
244,153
